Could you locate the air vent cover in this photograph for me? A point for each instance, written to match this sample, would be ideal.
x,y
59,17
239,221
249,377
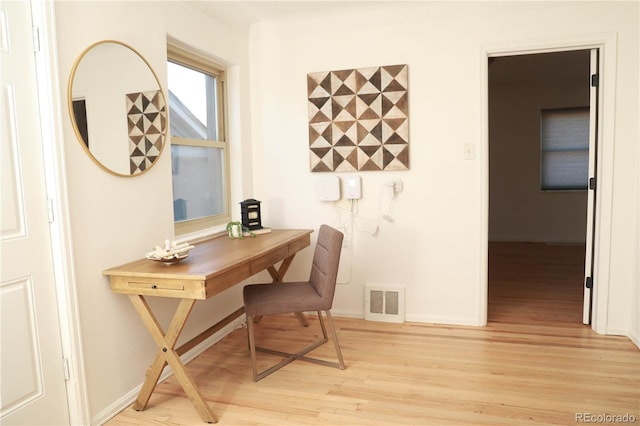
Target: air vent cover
x,y
383,303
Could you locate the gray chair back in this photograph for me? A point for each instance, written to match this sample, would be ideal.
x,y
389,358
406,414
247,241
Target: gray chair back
x,y
326,261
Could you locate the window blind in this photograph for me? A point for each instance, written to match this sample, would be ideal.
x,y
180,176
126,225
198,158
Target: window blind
x,y
564,155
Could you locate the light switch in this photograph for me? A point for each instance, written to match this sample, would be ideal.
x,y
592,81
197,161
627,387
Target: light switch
x,y
469,151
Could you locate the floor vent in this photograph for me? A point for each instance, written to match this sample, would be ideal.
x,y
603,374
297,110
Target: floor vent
x,y
384,304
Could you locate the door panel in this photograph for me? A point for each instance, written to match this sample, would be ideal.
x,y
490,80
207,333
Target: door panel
x,y
33,385
591,193
22,381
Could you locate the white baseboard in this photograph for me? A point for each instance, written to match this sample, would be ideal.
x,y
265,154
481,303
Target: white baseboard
x,y
442,320
626,333
427,319
347,313
127,399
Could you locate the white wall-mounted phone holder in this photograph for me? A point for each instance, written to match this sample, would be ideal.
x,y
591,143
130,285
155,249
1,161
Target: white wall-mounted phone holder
x,y
328,188
352,187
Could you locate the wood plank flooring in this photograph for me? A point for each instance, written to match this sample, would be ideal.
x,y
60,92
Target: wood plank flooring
x,y
535,283
534,364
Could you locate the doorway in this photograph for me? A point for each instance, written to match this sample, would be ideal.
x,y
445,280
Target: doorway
x,y
537,236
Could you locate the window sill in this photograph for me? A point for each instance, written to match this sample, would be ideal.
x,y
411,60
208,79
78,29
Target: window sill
x,y
202,235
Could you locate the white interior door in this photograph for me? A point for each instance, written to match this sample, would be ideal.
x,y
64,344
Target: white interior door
x,y
33,384
591,192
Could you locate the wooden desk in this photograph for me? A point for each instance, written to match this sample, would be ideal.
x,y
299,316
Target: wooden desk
x,y
213,265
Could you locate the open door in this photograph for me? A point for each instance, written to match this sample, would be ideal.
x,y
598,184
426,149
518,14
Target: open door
x,y
33,388
591,192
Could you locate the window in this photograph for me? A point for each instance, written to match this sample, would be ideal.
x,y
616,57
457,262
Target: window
x,y
199,152
564,156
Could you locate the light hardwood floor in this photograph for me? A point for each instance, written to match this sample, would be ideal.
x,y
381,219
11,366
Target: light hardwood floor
x,y
535,363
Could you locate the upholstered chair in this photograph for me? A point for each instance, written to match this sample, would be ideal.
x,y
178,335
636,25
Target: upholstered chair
x,y
314,295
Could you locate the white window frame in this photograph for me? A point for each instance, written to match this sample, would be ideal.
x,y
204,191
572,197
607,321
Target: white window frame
x,y
179,55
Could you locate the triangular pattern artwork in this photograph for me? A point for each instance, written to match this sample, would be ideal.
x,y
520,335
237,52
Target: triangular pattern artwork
x,y
359,119
146,117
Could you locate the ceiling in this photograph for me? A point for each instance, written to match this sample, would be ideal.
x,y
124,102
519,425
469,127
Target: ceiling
x,y
559,68
245,13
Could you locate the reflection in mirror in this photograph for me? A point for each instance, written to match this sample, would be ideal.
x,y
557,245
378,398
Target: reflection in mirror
x,y
117,108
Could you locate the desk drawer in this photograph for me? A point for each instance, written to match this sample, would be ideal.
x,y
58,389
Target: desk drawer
x,y
269,259
156,286
184,289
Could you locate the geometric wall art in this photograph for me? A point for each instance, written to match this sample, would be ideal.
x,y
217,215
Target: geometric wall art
x,y
359,119
146,117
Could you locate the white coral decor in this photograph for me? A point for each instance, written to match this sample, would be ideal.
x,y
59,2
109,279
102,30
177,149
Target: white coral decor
x,y
170,251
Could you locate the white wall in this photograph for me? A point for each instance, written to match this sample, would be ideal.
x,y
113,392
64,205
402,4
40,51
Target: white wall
x,y
116,220
435,247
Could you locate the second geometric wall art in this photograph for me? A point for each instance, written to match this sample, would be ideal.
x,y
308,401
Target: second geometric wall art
x,y
359,119
146,117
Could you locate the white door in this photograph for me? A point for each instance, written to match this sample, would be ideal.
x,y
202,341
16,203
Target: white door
x,y
591,192
33,384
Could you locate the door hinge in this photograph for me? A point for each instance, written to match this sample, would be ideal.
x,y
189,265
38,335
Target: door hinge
x,y
595,80
36,39
65,368
588,282
592,183
50,210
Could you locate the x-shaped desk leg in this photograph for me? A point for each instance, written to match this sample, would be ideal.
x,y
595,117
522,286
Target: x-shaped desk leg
x,y
167,355
277,275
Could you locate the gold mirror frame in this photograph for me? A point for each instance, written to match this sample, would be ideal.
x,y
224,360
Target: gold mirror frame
x,y
107,92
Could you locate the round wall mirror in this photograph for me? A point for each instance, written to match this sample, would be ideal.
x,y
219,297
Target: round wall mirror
x,y
117,108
